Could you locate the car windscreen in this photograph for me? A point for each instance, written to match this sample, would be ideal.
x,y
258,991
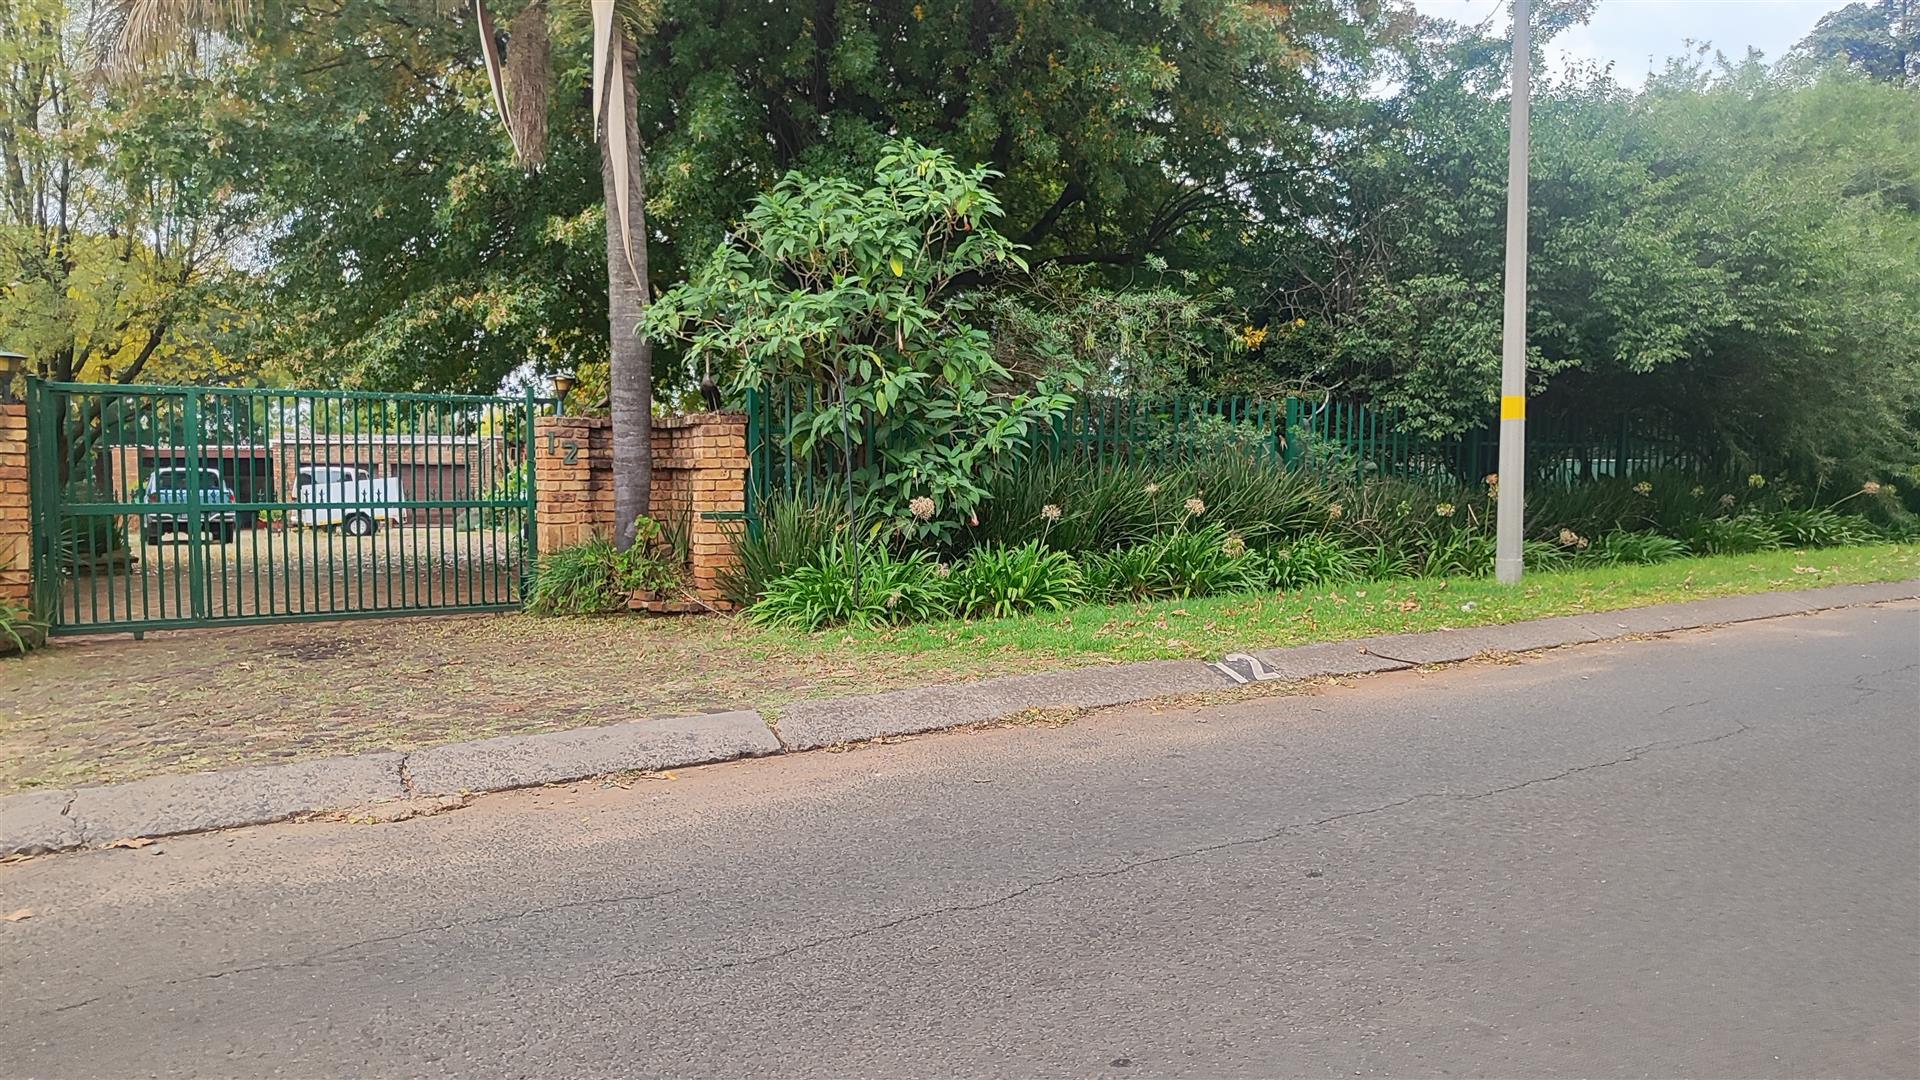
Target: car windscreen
x,y
176,480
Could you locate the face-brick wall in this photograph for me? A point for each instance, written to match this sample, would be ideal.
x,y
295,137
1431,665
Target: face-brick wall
x,y
699,473
16,540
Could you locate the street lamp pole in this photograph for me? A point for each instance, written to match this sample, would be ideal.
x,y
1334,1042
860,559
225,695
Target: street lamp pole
x,y
1510,513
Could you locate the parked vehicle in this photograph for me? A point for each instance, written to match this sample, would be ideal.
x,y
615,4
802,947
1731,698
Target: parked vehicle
x,y
171,487
352,499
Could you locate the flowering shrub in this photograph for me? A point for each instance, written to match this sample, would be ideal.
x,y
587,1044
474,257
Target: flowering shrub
x,y
848,287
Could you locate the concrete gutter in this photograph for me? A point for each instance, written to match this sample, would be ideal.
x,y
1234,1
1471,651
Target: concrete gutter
x,y
38,822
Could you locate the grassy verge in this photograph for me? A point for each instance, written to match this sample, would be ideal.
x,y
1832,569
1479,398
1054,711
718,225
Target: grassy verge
x,y
1206,628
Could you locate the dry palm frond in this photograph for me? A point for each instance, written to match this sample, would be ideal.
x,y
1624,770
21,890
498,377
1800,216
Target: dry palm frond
x,y
148,28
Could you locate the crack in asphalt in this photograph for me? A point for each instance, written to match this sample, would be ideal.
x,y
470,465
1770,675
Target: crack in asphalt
x,y
334,952
1632,754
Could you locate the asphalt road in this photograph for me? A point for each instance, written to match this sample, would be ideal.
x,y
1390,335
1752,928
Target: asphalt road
x,y
1697,855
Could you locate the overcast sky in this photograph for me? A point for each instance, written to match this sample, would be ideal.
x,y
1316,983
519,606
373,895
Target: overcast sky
x,y
1629,32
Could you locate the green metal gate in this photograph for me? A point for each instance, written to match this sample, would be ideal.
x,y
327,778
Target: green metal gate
x,y
175,506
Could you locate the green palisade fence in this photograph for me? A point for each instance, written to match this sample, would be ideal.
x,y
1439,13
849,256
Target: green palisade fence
x,y
1337,438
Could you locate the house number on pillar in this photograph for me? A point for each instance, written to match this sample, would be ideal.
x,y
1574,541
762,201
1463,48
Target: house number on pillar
x,y
554,445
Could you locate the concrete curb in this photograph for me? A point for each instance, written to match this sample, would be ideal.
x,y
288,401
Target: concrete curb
x,y
38,822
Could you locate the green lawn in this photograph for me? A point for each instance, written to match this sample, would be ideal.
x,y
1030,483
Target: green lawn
x,y
1206,628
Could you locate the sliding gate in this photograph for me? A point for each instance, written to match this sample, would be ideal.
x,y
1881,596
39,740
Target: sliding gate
x,y
177,506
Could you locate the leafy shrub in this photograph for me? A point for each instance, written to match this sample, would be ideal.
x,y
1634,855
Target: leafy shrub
x,y
1819,527
1668,502
88,541
995,582
595,577
793,533
1261,501
1099,509
1740,535
1540,555
1205,437
19,631
1463,552
1128,574
1621,548
1316,559
866,269
1206,562
1381,562
1078,508
858,585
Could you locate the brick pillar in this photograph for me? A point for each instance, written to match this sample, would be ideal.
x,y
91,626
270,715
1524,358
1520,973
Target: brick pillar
x,y
717,484
572,479
699,469
16,538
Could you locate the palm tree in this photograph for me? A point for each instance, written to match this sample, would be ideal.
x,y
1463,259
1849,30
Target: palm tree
x,y
522,86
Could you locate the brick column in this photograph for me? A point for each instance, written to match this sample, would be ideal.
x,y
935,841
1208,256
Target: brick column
x,y
716,484
572,479
16,538
699,469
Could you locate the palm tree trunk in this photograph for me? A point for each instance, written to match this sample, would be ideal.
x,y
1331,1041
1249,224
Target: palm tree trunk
x,y
630,353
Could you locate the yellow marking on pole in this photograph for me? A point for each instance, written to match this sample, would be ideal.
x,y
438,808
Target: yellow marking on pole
x,y
1513,407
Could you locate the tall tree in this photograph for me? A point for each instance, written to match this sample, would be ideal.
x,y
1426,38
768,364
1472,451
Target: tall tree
x,y
1880,37
119,213
521,92
522,89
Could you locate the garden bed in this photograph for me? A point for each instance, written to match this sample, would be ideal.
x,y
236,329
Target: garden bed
x,y
91,711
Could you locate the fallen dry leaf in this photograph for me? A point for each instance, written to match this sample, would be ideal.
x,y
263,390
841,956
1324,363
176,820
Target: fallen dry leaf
x,y
131,842
23,913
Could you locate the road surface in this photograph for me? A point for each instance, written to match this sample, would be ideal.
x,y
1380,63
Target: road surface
x,y
1697,855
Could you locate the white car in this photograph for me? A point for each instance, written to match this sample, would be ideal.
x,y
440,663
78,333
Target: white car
x,y
351,498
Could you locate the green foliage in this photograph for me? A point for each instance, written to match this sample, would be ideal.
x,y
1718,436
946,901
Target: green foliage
x,y
1739,535
596,578
792,533
1099,509
1143,341
1540,556
1624,548
121,207
994,582
1451,552
1203,438
1323,559
1730,249
855,584
510,487
1665,501
20,632
1082,509
1207,562
1879,38
87,541
1819,527
1131,573
1248,495
850,288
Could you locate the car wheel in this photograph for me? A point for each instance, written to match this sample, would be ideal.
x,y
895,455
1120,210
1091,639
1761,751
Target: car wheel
x,y
359,525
